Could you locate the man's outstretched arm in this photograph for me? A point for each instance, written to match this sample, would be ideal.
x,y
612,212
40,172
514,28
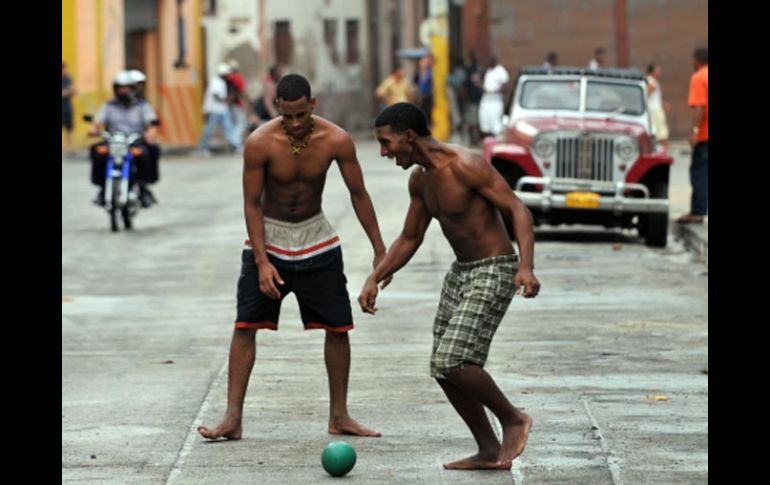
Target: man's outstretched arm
x,y
359,197
402,249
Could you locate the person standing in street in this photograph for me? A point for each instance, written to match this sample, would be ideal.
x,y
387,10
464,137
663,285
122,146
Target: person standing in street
x,y
237,98
657,105
551,60
698,99
67,91
395,88
599,59
217,112
474,90
491,106
292,248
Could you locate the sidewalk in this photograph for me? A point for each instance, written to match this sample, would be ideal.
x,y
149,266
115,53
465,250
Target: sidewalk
x,y
694,236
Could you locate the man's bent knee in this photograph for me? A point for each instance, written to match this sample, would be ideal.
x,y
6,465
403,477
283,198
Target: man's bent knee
x,y
446,366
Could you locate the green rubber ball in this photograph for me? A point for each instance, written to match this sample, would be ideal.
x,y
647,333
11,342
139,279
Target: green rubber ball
x,y
338,458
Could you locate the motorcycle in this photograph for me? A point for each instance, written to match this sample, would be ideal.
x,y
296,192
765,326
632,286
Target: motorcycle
x,y
120,189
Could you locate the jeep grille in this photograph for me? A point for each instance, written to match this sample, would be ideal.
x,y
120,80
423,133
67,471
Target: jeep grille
x,y
584,158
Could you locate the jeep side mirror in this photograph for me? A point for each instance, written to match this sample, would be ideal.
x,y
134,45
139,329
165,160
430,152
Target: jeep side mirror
x,y
88,118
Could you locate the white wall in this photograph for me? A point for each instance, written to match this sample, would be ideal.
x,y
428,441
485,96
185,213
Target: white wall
x,y
311,57
235,24
341,88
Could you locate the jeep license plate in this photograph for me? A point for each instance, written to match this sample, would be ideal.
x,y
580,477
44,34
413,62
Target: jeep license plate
x,y
582,200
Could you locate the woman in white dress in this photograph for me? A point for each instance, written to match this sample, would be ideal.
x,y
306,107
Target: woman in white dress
x,y
655,103
491,104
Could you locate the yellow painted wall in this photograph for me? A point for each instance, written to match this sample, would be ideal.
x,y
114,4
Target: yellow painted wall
x,y
93,46
69,56
112,35
440,114
152,67
179,104
68,31
87,77
87,27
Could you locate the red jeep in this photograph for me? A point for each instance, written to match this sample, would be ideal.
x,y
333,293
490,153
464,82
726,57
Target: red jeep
x,y
578,147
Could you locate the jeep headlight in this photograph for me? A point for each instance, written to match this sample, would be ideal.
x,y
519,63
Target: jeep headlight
x,y
543,147
626,149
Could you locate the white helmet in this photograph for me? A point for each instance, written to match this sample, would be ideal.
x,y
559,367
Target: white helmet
x,y
223,69
138,75
234,64
123,78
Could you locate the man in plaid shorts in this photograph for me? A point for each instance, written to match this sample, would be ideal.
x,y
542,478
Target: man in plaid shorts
x,y
464,193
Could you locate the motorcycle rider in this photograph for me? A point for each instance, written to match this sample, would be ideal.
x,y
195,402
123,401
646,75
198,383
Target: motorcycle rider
x,y
127,114
152,174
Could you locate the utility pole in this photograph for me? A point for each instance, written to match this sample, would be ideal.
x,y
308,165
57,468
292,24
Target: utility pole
x,y
621,33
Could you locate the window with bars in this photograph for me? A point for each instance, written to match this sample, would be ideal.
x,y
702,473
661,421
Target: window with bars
x,y
353,52
209,7
283,42
330,39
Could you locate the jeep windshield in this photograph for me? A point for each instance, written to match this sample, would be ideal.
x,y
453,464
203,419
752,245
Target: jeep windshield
x,y
615,98
551,95
604,97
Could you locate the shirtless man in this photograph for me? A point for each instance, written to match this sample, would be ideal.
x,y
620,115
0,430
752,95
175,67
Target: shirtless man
x,y
292,247
464,193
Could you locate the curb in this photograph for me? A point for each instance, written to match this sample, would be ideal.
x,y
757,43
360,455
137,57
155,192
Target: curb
x,y
693,240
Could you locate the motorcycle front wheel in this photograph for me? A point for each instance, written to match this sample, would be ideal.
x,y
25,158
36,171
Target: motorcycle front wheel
x,y
114,210
126,212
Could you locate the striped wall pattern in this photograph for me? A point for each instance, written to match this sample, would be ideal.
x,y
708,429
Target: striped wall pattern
x,y
180,114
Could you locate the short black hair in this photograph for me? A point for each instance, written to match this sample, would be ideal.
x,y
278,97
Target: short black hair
x,y
701,55
599,50
651,67
403,116
292,87
552,56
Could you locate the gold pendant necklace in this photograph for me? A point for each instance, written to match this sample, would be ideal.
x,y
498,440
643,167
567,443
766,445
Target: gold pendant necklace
x,y
295,148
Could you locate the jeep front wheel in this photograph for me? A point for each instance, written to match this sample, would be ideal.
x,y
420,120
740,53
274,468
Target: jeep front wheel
x,y
655,226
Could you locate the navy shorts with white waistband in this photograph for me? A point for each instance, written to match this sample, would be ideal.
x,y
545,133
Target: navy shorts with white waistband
x,y
318,282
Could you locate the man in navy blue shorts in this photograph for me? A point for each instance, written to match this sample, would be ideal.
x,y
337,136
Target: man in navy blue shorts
x,y
293,248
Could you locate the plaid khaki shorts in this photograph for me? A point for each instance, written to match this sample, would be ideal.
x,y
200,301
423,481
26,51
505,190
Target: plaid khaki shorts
x,y
474,299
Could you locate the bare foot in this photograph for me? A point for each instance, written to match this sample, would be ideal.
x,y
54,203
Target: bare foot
x,y
478,462
515,438
229,428
348,425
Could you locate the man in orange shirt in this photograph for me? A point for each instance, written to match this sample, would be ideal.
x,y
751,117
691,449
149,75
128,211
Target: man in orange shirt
x,y
698,100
